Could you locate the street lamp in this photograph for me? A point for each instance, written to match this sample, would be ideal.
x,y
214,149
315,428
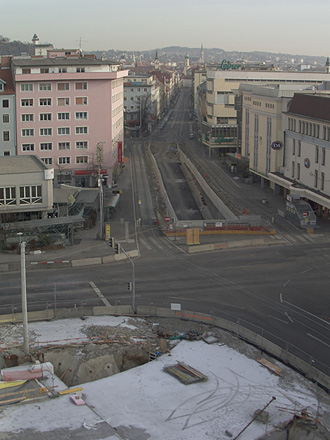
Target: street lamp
x,y
99,158
23,293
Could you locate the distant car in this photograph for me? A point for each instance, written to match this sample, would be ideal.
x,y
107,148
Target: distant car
x,y
191,136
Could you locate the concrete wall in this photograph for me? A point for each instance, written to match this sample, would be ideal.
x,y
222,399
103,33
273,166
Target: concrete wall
x,y
217,202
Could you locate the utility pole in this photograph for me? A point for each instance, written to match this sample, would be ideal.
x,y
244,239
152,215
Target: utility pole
x,y
24,300
99,158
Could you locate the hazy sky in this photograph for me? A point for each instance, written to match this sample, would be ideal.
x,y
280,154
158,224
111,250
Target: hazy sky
x,y
287,26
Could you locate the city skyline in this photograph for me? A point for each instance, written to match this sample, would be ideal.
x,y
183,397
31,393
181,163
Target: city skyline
x,y
292,27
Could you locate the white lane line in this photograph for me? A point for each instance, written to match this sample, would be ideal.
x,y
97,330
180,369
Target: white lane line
x,y
289,317
317,339
285,284
281,298
278,319
99,294
142,241
307,270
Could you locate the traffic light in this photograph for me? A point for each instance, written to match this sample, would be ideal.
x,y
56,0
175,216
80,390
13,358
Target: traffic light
x,y
129,286
117,248
112,242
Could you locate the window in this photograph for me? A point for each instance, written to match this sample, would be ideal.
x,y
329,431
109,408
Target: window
x,y
81,130
26,102
45,101
8,196
63,86
63,130
30,194
83,145
29,117
222,120
62,70
80,69
322,182
44,87
316,178
64,160
323,156
47,146
5,118
298,171
5,136
81,85
63,116
45,131
223,98
27,132
81,100
45,116
6,153
299,149
81,115
26,71
293,146
47,160
44,70
27,147
26,87
5,103
317,149
63,101
63,145
82,159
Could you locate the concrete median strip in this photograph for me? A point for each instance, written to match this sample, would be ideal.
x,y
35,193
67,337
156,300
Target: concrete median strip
x,y
86,262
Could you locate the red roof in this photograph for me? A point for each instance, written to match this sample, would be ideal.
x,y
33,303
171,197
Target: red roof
x,y
7,77
311,106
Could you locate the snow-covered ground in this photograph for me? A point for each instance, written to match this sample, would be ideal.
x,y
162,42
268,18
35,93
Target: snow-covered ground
x,y
147,403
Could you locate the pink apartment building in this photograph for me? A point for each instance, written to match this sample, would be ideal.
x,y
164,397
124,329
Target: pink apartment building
x,y
69,112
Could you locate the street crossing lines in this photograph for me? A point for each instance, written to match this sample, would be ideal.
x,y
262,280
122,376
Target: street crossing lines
x,y
99,294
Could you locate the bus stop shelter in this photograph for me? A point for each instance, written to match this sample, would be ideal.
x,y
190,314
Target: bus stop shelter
x,y
58,228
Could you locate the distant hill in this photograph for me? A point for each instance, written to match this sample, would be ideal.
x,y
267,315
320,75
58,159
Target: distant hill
x,y
15,48
174,53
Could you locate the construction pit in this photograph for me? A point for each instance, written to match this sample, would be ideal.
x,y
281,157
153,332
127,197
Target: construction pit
x,y
105,350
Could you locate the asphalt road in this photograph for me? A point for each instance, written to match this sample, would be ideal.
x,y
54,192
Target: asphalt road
x,y
282,290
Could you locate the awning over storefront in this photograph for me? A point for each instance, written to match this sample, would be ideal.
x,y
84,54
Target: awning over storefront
x,y
303,192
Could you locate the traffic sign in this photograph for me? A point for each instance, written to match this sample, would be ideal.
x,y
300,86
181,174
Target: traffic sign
x,y
167,219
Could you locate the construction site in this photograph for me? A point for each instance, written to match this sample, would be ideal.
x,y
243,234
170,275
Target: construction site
x,y
65,365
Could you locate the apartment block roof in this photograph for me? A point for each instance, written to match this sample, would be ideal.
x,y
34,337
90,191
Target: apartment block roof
x,y
21,164
70,61
311,106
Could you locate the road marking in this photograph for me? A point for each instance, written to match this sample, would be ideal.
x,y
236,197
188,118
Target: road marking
x,y
317,339
145,244
281,298
278,319
99,294
289,317
307,270
285,284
